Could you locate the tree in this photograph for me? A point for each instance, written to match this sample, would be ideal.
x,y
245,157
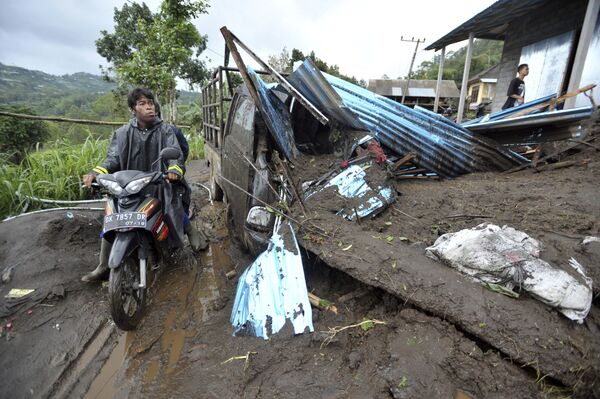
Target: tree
x,y
154,49
17,136
281,62
486,53
334,70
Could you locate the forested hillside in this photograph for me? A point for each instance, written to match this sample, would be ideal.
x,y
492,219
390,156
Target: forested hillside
x,y
486,53
79,95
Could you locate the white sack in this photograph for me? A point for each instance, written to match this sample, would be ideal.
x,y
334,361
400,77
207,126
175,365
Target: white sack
x,y
510,257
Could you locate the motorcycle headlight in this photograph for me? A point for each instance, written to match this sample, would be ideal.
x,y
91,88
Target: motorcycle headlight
x,y
135,186
111,185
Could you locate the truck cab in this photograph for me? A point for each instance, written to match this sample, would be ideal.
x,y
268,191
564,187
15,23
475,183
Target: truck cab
x,y
235,142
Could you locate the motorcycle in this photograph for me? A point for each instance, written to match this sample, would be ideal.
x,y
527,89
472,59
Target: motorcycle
x,y
136,222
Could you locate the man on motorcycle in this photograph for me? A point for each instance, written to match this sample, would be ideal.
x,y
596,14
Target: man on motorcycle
x,y
135,146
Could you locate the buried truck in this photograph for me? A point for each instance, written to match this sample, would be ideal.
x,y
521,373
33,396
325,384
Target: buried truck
x,y
344,158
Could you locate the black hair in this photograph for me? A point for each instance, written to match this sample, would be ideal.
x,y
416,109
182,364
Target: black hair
x,y
520,67
157,109
135,95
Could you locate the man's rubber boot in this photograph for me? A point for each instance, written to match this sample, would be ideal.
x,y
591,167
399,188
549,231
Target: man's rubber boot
x,y
102,267
198,240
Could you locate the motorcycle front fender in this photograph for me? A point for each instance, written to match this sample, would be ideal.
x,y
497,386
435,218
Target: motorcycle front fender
x,y
123,245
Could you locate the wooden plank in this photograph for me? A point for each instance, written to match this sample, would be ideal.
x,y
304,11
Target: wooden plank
x,y
405,159
286,85
227,35
552,102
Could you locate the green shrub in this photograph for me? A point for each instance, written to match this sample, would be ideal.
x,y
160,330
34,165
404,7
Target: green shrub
x,y
196,143
17,136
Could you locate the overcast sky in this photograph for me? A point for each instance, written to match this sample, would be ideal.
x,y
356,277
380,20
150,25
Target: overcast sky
x,y
361,37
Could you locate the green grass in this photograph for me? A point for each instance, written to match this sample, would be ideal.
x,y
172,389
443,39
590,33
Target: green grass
x,y
52,173
196,143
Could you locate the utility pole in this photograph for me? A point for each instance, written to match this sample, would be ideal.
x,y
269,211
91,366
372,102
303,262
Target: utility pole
x,y
412,40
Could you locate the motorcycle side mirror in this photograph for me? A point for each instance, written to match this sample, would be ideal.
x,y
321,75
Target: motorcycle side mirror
x,y
169,153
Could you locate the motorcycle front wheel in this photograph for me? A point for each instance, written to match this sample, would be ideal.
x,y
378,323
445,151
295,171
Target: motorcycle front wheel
x,y
126,300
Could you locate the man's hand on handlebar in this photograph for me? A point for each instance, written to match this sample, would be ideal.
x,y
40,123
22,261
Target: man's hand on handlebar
x,y
172,176
88,180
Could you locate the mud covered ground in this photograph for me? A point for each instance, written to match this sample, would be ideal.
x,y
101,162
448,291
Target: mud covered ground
x,y
443,336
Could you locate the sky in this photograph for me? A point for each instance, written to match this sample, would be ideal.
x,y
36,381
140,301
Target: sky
x,y
361,37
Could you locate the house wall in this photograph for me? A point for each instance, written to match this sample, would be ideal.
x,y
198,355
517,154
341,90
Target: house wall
x,y
486,91
552,18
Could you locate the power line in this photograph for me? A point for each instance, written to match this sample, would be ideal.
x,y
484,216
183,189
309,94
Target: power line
x,y
412,40
220,55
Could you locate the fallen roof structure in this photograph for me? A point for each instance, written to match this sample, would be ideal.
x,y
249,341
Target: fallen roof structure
x,y
524,332
441,147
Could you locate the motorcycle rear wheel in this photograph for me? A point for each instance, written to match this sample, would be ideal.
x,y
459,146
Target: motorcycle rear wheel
x,y
126,303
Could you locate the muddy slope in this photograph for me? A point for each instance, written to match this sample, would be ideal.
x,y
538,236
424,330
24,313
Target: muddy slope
x,y
559,207
442,335
51,330
185,347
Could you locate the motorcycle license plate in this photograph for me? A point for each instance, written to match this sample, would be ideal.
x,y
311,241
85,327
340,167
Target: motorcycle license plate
x,y
124,220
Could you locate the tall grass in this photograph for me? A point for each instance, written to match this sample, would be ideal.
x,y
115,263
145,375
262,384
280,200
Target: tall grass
x,y
55,173
196,143
52,173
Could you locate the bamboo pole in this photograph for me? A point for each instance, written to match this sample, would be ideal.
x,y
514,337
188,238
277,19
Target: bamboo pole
x,y
69,120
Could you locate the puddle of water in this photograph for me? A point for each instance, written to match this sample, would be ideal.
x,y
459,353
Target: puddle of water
x,y
152,371
184,296
103,386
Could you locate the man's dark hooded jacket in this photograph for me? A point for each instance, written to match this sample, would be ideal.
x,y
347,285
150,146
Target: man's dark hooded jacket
x,y
134,148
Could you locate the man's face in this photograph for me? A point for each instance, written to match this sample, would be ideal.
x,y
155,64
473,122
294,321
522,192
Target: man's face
x,y
525,71
144,110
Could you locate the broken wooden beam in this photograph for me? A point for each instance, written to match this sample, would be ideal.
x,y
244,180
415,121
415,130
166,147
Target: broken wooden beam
x,y
405,159
321,304
561,165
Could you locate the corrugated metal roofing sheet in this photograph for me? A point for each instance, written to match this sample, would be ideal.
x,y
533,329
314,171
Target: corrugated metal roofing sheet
x,y
491,23
386,87
276,116
444,147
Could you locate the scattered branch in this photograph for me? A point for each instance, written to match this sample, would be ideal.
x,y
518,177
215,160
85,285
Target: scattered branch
x,y
322,304
245,357
333,331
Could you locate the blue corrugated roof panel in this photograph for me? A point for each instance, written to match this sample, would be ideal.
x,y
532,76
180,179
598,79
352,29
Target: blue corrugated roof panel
x,y
447,149
276,116
510,111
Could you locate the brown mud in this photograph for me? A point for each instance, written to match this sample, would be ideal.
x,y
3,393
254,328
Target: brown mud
x,y
444,336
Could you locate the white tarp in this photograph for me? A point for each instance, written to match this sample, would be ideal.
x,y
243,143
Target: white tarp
x,y
273,289
509,257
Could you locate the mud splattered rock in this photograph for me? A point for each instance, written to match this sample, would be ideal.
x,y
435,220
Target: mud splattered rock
x,y
219,303
354,359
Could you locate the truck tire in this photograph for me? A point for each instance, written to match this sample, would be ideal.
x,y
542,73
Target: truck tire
x,y
216,192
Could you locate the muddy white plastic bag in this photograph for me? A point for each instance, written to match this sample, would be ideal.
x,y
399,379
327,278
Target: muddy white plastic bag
x,y
510,257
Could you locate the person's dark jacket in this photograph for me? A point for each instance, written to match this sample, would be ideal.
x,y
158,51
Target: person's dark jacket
x,y
133,148
185,147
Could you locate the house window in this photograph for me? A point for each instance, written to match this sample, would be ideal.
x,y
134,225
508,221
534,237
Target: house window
x,y
475,94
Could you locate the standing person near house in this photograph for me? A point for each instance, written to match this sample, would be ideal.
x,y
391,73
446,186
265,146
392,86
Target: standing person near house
x,y
136,146
516,88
